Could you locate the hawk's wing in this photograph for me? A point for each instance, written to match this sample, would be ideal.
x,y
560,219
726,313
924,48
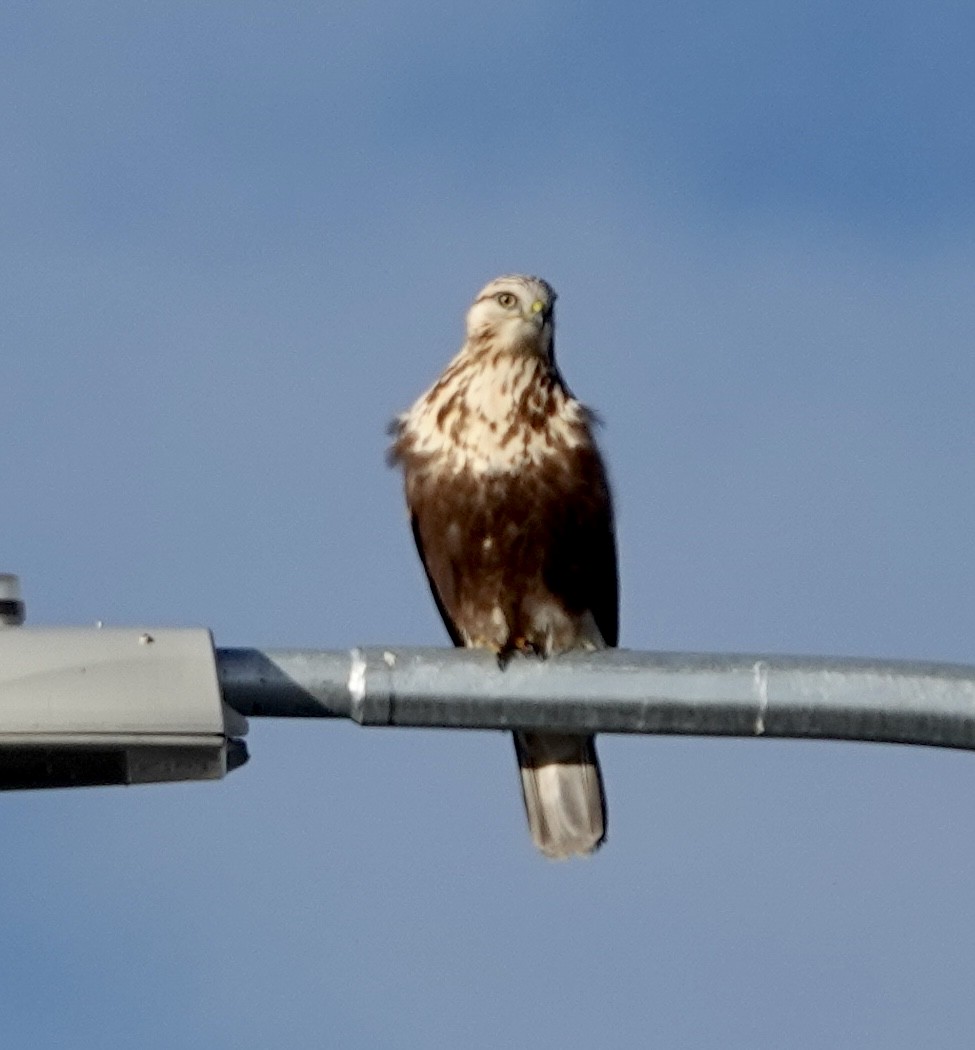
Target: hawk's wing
x,y
455,635
580,564
603,575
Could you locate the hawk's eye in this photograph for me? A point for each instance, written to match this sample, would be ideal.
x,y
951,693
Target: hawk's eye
x,y
506,299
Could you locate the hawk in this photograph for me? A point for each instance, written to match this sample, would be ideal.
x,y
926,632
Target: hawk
x,y
513,520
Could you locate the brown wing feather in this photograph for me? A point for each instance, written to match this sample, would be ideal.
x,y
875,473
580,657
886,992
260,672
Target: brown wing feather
x,y
448,621
581,566
604,601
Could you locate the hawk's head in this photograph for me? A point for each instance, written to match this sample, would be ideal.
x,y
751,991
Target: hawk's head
x,y
514,313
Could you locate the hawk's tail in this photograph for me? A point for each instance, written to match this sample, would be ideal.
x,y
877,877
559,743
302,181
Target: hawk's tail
x,y
563,789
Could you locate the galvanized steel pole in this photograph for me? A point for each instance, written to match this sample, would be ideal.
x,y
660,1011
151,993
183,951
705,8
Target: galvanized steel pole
x,y
617,691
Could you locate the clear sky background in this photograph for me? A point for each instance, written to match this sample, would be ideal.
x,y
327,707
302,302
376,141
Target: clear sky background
x,y
234,240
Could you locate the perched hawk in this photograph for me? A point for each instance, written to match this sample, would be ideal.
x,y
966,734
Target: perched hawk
x,y
512,517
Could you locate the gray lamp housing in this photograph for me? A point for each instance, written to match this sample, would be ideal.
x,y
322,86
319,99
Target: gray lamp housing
x,y
85,706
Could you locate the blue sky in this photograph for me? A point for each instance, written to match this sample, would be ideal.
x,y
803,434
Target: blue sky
x,y
235,239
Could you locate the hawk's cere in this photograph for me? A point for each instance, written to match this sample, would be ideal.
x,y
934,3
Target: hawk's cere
x,y
513,519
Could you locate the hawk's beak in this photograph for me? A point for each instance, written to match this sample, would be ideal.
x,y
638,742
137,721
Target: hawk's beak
x,y
539,313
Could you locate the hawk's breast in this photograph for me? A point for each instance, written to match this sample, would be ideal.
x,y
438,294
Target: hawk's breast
x,y
510,506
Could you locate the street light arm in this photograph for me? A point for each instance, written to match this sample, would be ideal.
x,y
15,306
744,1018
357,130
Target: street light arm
x,y
614,691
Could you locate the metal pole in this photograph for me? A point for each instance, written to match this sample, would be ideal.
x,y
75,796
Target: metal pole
x,y
615,691
11,603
